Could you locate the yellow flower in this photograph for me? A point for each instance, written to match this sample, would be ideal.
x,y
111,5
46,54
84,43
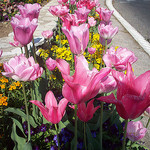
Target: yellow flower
x,y
2,86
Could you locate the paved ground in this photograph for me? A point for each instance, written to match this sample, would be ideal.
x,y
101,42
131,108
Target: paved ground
x,y
122,39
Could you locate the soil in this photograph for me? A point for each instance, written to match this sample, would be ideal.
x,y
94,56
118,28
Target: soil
x,y
5,27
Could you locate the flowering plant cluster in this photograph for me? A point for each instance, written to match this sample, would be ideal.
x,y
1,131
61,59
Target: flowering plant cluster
x,y
79,93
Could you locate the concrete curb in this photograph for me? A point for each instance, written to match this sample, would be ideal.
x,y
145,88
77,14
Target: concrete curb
x,y
136,35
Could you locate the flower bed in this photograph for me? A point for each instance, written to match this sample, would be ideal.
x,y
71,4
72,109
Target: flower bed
x,y
75,92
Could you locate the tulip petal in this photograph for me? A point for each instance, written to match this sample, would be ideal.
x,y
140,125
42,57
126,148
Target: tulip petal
x,y
50,100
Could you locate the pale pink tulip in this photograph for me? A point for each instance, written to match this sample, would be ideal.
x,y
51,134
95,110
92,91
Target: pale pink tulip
x,y
148,110
23,29
47,34
20,68
103,41
91,50
119,58
53,112
51,64
84,84
135,131
107,31
78,38
58,10
15,43
1,52
30,10
132,93
91,21
82,13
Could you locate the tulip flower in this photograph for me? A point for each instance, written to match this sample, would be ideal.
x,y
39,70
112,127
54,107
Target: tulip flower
x,y
15,43
107,31
84,84
135,131
30,11
88,3
82,13
103,41
132,93
1,52
23,29
91,21
119,58
62,1
58,10
53,112
78,38
148,110
51,64
47,34
91,50
20,68
85,113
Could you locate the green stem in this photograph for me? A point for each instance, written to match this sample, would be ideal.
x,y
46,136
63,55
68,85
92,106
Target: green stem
x,y
27,112
148,123
26,51
59,32
57,136
101,126
21,50
124,135
75,131
85,135
105,46
72,60
33,50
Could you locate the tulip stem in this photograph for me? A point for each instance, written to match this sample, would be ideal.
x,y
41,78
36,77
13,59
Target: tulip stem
x,y
148,123
57,136
105,46
85,135
124,135
59,32
27,112
75,131
26,51
101,126
21,50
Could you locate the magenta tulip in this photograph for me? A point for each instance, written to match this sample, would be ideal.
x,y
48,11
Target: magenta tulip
x,y
107,31
16,43
82,13
20,68
91,21
78,38
62,1
84,84
132,93
51,64
58,10
1,52
47,34
135,131
91,50
23,29
53,112
119,58
88,3
30,11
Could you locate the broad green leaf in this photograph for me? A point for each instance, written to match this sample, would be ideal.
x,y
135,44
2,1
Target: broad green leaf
x,y
27,146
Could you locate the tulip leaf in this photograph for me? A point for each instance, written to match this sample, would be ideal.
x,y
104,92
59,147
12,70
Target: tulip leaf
x,y
19,141
22,114
27,146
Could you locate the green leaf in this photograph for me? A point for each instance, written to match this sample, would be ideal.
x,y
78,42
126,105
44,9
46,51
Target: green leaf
x,y
27,146
22,114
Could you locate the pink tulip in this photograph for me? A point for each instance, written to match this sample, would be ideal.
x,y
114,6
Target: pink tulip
x,y
15,43
30,11
91,50
103,41
132,93
53,112
62,1
78,38
84,84
88,3
1,52
85,113
148,111
47,34
104,13
58,10
119,58
72,2
23,29
82,13
91,21
20,68
51,64
108,84
135,131
107,31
